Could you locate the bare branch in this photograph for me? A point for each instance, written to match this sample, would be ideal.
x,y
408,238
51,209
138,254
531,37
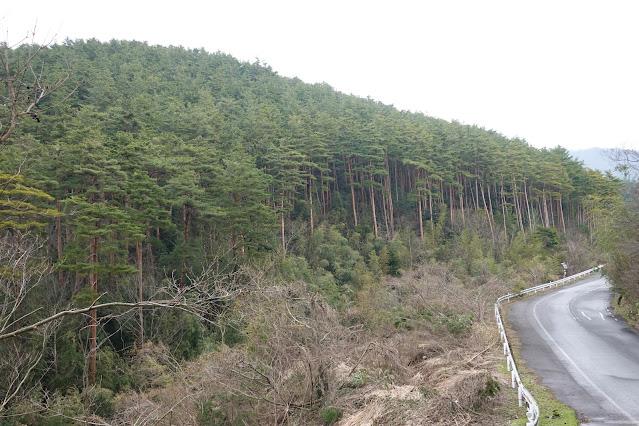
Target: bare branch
x,y
627,159
23,377
183,305
23,89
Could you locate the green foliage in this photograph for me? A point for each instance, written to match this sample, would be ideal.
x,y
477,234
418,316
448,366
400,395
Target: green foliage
x,y
209,415
401,319
618,238
227,332
549,237
444,317
63,408
393,263
84,298
523,249
384,260
490,389
374,265
427,392
22,207
112,372
181,331
330,415
66,374
329,250
357,379
293,268
101,402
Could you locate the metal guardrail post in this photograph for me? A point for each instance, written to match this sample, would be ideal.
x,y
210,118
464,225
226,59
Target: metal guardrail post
x,y
520,396
532,412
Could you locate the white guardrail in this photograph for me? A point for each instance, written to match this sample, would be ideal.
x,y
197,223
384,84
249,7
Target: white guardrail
x,y
522,393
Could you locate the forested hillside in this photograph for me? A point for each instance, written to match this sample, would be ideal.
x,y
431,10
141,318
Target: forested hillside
x,y
172,185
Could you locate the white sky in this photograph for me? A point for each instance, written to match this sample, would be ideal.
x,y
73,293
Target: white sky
x,y
557,72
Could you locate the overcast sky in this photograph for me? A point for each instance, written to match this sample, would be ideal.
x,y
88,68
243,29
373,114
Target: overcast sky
x,y
552,72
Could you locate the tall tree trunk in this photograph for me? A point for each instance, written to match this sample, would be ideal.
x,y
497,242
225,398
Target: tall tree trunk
x,y
387,183
450,200
430,209
112,254
518,212
372,190
490,206
490,223
321,195
516,208
310,203
396,189
419,212
503,210
461,202
94,314
385,212
282,223
149,250
138,254
391,210
531,224
326,184
350,177
546,219
561,213
185,222
58,221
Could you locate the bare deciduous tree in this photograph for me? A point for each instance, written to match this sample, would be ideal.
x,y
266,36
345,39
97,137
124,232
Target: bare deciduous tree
x,y
23,84
627,160
25,330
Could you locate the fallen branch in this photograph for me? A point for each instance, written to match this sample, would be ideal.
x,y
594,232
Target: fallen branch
x,y
482,352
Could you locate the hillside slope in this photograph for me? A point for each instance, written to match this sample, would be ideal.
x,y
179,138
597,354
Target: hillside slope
x,y
285,223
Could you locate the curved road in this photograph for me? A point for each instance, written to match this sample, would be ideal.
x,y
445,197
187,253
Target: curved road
x,y
588,356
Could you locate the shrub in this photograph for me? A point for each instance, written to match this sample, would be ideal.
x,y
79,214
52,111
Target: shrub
x,y
101,401
393,263
330,415
547,236
210,416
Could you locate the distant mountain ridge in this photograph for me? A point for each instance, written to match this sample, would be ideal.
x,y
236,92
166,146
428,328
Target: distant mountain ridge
x,y
596,159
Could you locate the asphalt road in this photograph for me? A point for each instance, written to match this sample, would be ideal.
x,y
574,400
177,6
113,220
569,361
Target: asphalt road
x,y
585,354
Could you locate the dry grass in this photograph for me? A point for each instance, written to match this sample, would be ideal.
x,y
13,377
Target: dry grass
x,y
419,360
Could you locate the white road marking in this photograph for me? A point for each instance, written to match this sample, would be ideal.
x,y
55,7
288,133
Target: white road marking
x,y
582,313
602,317
597,388
570,310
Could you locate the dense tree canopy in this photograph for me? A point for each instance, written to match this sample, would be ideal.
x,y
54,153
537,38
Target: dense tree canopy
x,y
184,123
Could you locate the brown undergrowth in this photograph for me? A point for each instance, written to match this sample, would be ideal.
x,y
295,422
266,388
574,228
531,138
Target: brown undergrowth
x,y
416,350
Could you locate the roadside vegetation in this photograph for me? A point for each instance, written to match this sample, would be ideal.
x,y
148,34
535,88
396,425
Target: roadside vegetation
x,y
618,239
